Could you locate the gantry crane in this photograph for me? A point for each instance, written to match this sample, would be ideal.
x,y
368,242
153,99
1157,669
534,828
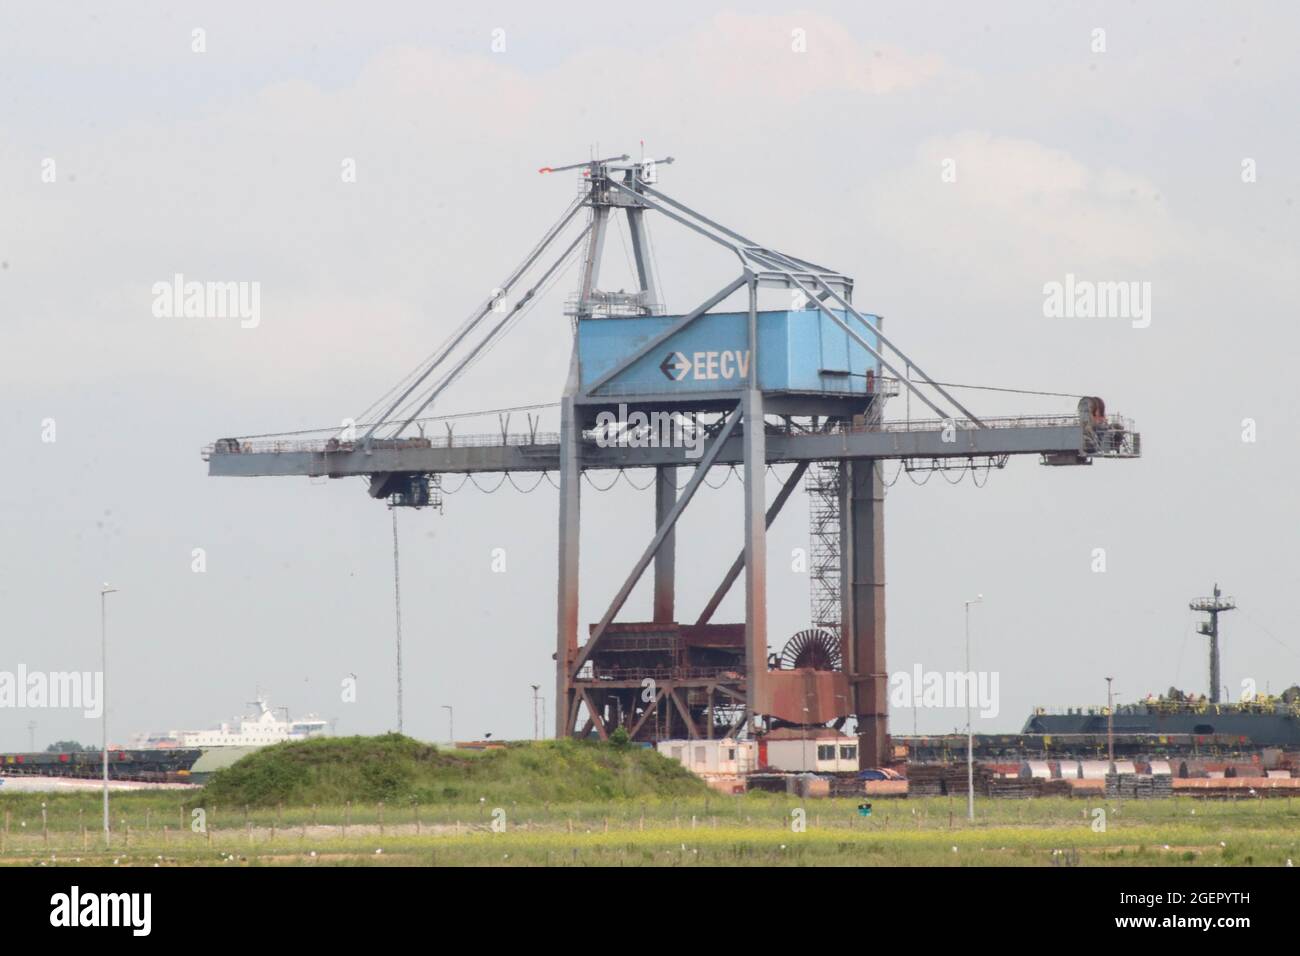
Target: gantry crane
x,y
805,385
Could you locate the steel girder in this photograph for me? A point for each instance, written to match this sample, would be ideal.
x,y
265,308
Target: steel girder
x,y
932,441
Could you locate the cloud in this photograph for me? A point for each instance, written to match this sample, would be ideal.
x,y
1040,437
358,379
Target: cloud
x,y
1020,205
759,57
251,191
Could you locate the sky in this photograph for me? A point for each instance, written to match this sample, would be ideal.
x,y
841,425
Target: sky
x,y
954,159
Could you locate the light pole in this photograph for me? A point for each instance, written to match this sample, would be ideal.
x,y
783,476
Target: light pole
x,y
104,592
536,688
451,724
970,733
397,607
1110,725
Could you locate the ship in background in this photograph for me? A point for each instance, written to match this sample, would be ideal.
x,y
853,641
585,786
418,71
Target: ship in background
x,y
1262,721
1265,721
260,729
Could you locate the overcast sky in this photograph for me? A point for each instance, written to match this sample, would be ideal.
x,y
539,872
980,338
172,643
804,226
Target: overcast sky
x,y
1163,150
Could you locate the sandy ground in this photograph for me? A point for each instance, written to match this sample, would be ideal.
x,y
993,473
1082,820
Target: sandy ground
x,y
17,784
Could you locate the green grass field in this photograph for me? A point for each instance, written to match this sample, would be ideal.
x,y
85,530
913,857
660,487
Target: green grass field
x,y
754,829
387,801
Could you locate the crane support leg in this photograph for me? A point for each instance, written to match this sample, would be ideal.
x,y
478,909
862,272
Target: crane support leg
x,y
862,549
755,554
566,645
666,556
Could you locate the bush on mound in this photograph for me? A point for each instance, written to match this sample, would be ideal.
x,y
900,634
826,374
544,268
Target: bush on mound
x,y
394,768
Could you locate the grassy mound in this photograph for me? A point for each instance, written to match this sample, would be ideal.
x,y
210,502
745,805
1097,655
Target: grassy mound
x,y
393,768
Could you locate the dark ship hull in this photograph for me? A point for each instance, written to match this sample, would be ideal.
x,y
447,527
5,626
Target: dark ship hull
x,y
1259,730
1259,721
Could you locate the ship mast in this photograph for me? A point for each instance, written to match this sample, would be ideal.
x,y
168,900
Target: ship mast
x,y
1213,606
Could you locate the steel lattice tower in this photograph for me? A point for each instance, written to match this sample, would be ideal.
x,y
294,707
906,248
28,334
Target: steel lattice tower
x,y
1213,606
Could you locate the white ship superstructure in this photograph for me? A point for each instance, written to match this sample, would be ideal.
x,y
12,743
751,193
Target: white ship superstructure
x,y
257,730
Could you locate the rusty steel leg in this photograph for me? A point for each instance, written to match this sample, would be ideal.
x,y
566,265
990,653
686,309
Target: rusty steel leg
x,y
566,641
575,704
665,557
691,732
735,724
862,550
594,714
651,709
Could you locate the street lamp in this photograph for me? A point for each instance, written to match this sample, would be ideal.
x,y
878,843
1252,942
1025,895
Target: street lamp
x,y
104,592
451,724
397,606
970,733
1110,725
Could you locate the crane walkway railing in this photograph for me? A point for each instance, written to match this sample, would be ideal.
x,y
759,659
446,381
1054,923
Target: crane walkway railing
x,y
1114,425
239,446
